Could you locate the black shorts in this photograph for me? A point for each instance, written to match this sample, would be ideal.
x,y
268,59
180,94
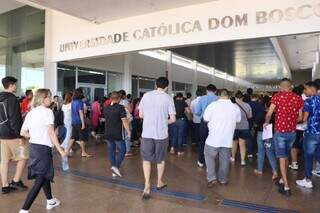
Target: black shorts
x,y
298,143
243,134
154,150
78,134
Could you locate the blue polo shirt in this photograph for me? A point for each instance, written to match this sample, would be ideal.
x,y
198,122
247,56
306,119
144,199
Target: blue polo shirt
x,y
203,103
76,106
312,106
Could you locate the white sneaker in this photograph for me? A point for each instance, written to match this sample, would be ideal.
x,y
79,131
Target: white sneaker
x,y
294,166
116,171
23,211
201,165
250,156
316,173
304,183
54,202
243,163
232,160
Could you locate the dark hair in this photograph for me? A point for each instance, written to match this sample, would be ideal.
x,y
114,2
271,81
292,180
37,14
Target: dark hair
x,y
255,96
317,81
285,80
129,96
122,93
312,84
9,80
298,90
239,94
249,91
28,92
179,95
199,92
224,92
78,94
162,82
96,98
189,95
115,95
211,88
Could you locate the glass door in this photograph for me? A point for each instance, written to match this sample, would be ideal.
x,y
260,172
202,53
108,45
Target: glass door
x,y
91,91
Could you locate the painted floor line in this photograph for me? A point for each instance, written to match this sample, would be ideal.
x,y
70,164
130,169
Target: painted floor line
x,y
136,186
255,207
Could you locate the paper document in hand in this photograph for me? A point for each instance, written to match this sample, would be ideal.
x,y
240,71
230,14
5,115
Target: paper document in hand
x,y
267,132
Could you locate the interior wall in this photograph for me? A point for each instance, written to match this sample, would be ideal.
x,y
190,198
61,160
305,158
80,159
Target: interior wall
x,y
301,77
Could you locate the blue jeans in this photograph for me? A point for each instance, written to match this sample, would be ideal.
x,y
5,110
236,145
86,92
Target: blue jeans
x,y
283,142
203,134
179,134
114,157
311,146
266,147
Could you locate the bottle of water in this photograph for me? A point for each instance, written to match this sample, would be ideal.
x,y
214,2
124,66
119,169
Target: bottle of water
x,y
22,151
65,164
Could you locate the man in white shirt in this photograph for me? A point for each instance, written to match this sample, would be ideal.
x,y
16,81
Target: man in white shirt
x,y
155,109
222,117
195,119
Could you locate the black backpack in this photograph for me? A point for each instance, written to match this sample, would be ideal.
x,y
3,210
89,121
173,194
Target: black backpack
x,y
3,113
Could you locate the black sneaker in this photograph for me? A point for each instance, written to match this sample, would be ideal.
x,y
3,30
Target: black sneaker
x,y
19,185
284,192
8,189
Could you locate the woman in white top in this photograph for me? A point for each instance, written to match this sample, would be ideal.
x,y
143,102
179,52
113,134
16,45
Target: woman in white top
x,y
66,108
39,128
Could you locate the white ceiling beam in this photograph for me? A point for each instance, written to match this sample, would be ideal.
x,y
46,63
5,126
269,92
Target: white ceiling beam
x,y
282,57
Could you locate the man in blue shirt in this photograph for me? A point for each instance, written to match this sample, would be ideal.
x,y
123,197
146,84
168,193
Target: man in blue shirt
x,y
199,109
311,143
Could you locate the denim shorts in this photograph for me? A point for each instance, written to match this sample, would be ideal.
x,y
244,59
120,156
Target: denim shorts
x,y
283,143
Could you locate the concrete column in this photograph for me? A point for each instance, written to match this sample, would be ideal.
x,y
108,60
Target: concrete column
x,y
51,77
50,66
195,78
169,71
127,76
14,67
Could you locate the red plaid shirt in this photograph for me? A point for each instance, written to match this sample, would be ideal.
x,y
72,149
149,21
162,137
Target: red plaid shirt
x,y
288,105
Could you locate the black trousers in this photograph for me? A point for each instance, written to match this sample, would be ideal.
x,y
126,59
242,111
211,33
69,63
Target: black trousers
x,y
203,133
40,182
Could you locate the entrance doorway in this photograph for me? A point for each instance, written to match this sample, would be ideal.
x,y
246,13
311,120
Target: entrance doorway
x,y
91,91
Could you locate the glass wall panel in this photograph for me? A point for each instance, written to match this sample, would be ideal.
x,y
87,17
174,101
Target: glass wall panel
x,y
91,76
146,84
2,74
21,45
134,87
32,78
114,82
66,79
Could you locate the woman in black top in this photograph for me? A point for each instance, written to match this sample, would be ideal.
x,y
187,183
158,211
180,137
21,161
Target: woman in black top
x,y
179,128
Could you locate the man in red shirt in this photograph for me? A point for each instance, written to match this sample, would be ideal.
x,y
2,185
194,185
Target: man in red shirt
x,y
288,108
25,105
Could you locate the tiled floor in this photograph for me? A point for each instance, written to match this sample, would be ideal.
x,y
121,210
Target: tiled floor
x,y
87,194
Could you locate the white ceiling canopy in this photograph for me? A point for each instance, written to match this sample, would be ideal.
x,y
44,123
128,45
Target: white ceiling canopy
x,y
106,10
7,5
300,50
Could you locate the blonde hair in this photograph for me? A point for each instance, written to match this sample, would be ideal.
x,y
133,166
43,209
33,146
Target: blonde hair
x,y
39,97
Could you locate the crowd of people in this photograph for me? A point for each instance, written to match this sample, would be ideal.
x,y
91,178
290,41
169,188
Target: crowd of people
x,y
217,121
